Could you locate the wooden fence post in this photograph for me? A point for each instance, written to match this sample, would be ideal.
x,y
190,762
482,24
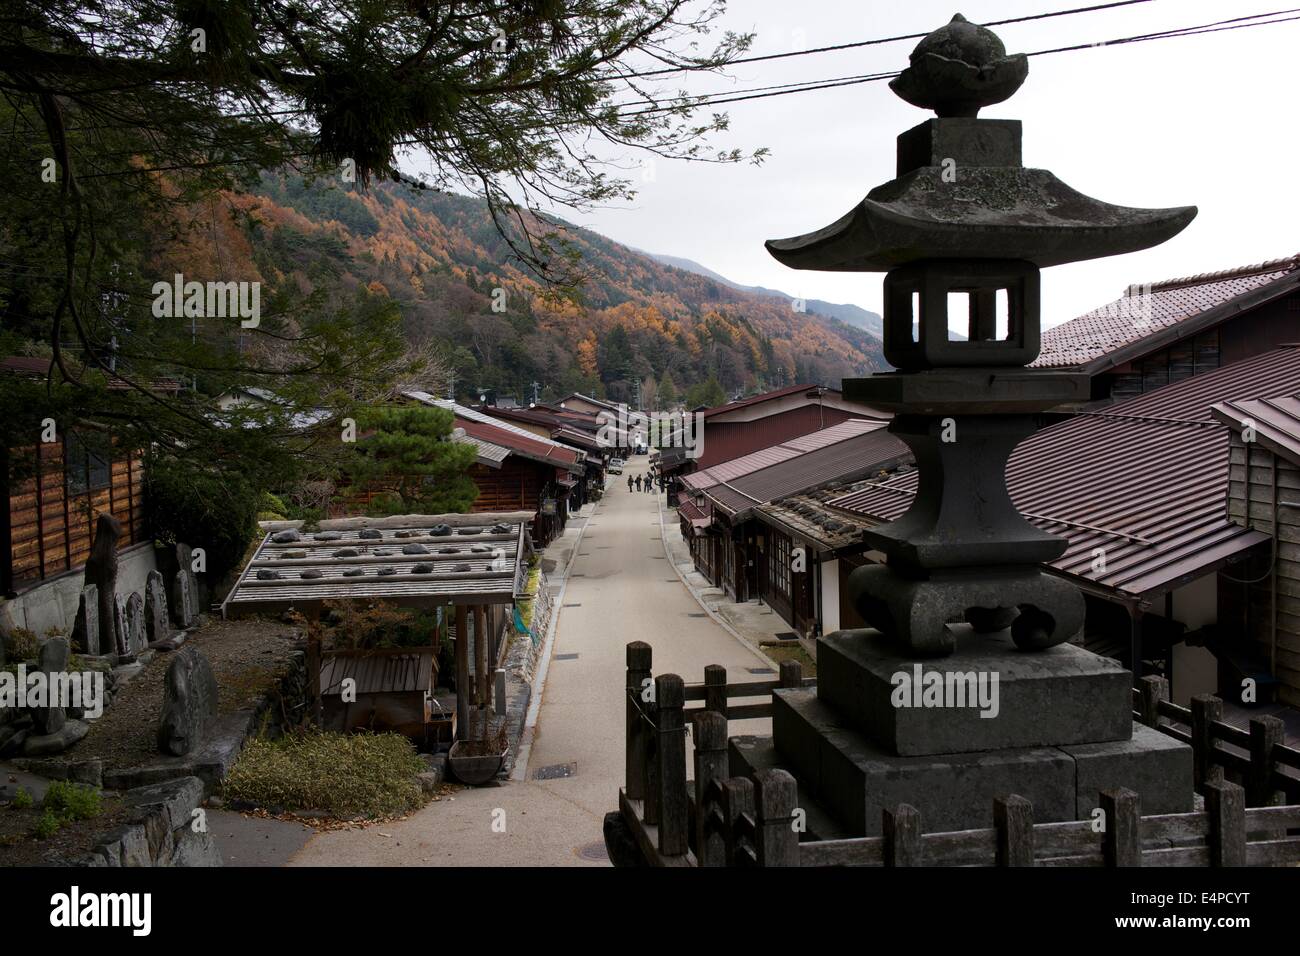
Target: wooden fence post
x,y
737,800
638,670
791,674
1226,805
710,765
1206,709
1153,690
674,813
901,829
1121,844
774,799
463,689
1265,734
1013,818
715,689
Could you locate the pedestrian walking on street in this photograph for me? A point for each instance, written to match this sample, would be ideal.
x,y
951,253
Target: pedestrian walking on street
x,y
629,482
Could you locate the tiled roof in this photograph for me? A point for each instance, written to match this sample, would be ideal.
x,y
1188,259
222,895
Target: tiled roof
x,y
1156,311
1146,480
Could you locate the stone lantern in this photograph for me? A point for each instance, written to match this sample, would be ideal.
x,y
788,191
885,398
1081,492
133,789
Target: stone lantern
x,y
961,234
966,685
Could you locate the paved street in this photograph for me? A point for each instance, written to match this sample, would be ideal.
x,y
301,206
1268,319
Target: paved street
x,y
621,588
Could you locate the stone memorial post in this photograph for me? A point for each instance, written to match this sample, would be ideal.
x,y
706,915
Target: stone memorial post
x,y
101,571
157,624
963,688
85,629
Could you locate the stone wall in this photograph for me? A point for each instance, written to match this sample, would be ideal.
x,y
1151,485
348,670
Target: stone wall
x,y
166,826
53,602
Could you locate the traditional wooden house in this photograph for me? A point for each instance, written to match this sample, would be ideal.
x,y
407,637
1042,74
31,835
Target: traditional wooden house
x,y
1140,492
1163,332
740,555
546,423
54,490
1259,615
517,470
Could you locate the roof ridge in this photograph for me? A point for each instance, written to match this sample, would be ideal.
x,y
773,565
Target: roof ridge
x,y
1286,264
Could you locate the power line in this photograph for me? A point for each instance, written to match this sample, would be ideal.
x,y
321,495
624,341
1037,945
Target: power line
x,y
756,93
1234,23
894,39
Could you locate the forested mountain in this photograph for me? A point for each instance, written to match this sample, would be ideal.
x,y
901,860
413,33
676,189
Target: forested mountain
x,y
440,257
847,312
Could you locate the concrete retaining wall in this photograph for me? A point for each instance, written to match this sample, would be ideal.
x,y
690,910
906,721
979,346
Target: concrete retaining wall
x,y
53,603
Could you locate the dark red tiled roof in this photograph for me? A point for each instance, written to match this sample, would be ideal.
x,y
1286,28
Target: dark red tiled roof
x,y
1157,311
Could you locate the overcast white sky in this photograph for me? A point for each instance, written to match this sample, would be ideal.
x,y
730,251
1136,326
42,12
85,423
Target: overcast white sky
x,y
1206,121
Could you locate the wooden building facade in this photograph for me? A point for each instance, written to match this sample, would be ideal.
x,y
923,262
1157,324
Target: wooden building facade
x,y
1262,605
54,492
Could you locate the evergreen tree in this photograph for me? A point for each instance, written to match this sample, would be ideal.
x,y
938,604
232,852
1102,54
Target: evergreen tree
x,y
407,452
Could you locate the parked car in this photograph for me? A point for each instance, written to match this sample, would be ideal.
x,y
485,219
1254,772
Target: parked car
x,y
615,466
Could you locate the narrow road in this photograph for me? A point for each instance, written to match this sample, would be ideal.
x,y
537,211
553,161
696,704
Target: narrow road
x,y
621,588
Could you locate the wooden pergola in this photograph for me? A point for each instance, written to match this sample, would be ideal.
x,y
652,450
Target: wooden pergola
x,y
469,561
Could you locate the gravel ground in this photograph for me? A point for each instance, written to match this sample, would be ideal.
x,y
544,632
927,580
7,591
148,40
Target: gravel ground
x,y
75,839
247,658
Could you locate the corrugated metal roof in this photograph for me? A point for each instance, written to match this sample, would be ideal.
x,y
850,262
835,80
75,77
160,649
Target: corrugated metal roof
x,y
852,458
1147,311
767,397
504,434
1146,480
728,471
1274,421
383,672
493,456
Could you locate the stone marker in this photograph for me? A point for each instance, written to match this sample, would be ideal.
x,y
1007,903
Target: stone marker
x,y
121,640
53,660
158,627
85,630
135,636
189,702
184,600
101,571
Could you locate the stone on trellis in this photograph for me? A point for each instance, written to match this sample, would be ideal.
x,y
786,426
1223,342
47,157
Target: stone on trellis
x,y
189,702
158,626
85,629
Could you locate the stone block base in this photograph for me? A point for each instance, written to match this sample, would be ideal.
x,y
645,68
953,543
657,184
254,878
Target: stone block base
x,y
855,779
1061,695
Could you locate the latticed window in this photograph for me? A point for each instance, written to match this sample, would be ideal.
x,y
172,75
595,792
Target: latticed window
x,y
779,565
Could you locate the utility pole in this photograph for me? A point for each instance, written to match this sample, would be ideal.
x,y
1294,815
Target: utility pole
x,y
536,393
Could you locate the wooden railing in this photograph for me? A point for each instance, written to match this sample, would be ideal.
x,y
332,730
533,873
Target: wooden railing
x,y
1255,758
719,820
